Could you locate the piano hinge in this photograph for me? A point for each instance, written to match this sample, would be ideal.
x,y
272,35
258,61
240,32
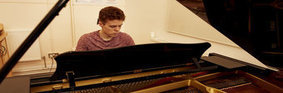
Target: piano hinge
x,y
57,87
196,62
137,71
71,79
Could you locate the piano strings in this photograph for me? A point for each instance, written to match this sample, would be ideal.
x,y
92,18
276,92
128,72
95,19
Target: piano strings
x,y
134,86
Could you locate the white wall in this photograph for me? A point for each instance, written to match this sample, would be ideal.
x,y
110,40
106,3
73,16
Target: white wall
x,y
19,18
186,27
183,21
142,17
26,14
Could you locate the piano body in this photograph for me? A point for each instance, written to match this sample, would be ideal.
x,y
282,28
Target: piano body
x,y
149,68
159,67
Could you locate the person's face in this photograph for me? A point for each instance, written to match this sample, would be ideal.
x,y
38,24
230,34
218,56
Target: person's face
x,y
111,27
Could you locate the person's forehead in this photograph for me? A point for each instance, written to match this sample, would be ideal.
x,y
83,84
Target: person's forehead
x,y
114,22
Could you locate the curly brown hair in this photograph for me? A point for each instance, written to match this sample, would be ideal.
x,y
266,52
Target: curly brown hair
x,y
110,13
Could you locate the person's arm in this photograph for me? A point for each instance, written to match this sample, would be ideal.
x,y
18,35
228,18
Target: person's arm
x,y
130,40
82,46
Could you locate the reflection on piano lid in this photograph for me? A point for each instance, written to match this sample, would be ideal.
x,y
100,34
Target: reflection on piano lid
x,y
128,59
254,25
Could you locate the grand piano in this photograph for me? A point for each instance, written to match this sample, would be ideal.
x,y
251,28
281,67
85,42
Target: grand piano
x,y
158,67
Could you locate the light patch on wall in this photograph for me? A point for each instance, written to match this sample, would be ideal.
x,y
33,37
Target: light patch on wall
x,y
16,37
102,2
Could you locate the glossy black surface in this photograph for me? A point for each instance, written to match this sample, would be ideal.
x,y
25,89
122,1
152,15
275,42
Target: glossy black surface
x,y
127,59
254,25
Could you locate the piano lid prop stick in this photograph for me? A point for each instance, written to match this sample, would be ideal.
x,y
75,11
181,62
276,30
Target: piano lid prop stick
x,y
31,38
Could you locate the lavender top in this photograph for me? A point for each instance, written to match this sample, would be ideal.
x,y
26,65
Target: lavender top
x,y
92,41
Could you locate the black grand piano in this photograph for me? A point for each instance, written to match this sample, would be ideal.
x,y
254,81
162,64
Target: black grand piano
x,y
155,68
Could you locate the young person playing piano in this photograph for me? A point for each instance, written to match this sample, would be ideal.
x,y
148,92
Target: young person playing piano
x,y
110,20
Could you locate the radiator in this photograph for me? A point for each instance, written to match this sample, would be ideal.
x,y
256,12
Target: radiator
x,y
16,37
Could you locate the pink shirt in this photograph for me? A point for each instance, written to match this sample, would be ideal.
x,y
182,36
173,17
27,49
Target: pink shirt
x,y
92,41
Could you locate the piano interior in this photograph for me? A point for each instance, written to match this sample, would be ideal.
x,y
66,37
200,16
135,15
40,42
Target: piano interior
x,y
192,74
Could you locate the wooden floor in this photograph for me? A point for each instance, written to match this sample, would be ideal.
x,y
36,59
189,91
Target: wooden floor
x,y
33,72
32,67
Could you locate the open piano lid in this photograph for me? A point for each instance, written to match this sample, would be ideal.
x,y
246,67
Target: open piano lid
x,y
253,25
127,59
